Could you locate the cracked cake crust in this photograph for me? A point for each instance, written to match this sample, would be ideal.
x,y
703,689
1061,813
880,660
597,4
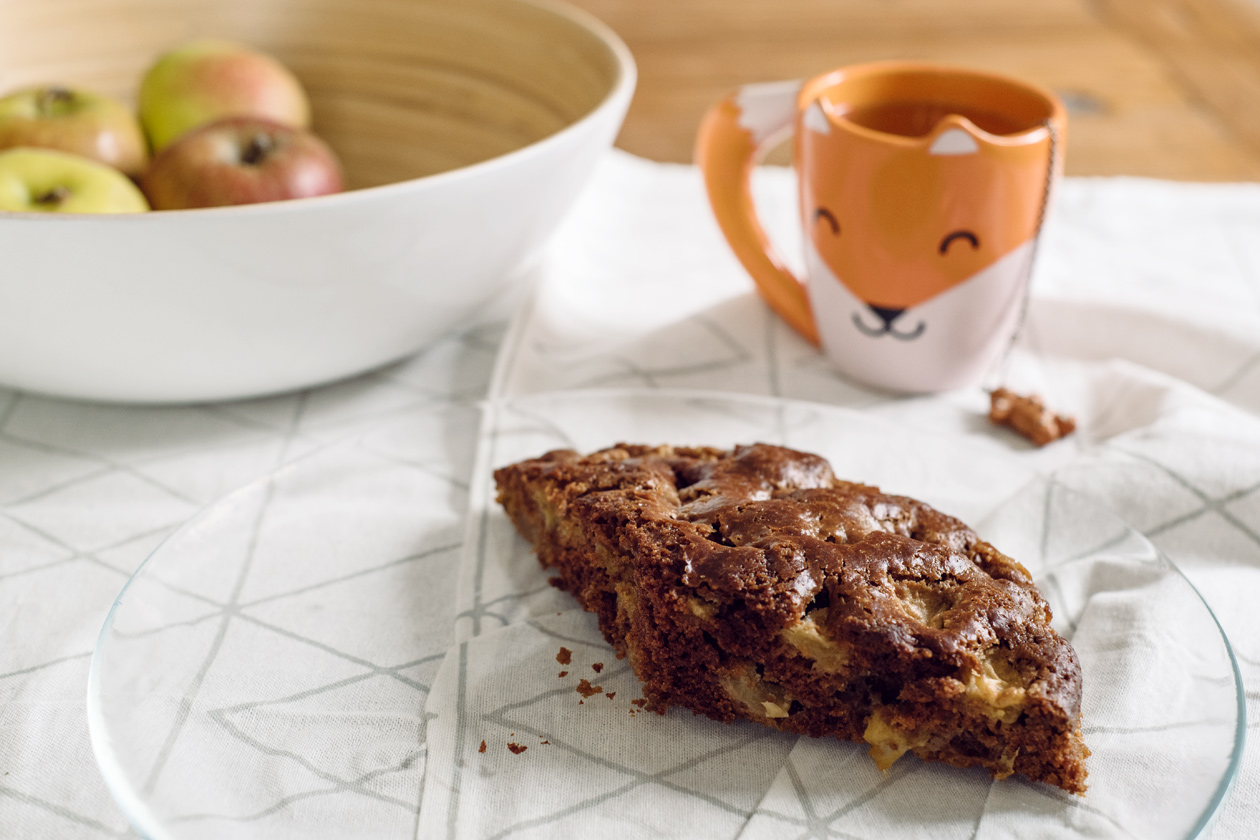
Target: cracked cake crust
x,y
752,583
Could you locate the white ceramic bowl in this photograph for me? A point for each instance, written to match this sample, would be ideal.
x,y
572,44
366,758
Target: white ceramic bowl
x,y
466,128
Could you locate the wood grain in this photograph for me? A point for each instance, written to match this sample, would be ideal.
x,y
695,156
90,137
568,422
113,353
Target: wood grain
x,y
1173,96
1212,46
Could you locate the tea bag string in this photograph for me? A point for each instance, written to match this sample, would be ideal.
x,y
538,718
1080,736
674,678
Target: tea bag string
x,y
1002,368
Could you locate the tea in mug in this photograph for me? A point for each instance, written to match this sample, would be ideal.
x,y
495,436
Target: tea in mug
x,y
918,118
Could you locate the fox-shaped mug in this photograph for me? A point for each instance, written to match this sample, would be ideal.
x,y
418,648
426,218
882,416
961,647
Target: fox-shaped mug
x,y
922,192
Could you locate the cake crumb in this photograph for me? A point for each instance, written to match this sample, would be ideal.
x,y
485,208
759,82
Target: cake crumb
x,y
517,749
585,688
564,674
597,667
641,702
482,748
610,695
1028,416
565,656
545,741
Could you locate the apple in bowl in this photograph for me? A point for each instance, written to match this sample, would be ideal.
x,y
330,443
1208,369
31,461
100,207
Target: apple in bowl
x,y
241,160
208,80
76,121
49,181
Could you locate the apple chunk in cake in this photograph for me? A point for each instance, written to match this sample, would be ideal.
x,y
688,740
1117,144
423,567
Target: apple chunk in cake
x,y
753,584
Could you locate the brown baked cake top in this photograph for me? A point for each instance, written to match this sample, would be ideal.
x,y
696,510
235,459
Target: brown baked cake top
x,y
753,583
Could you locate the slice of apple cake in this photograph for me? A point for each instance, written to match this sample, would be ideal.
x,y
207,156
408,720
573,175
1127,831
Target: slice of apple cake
x,y
754,584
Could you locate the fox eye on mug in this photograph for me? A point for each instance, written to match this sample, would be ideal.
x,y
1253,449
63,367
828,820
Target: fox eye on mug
x,y
824,213
959,234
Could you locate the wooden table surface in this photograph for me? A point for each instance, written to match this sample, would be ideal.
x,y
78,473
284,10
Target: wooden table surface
x,y
1161,88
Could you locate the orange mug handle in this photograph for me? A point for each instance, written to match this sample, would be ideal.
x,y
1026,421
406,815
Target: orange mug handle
x,y
734,135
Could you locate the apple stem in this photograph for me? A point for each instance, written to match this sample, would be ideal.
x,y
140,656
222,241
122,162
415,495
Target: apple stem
x,y
259,146
52,98
53,197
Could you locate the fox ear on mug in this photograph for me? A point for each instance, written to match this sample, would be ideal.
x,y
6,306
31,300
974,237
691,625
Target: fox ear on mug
x,y
815,120
954,141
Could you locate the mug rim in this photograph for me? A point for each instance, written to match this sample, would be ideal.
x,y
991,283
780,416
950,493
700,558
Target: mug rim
x,y
813,90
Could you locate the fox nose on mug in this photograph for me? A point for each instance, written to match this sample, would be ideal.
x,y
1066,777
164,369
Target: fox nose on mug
x,y
886,314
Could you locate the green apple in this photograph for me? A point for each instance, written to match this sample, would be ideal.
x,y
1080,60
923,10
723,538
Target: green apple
x,y
208,80
76,121
43,180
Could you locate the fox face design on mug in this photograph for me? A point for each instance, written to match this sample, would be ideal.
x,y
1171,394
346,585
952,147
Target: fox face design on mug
x,y
922,190
918,250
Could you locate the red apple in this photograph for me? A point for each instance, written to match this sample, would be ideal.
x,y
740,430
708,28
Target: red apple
x,y
240,160
208,80
74,121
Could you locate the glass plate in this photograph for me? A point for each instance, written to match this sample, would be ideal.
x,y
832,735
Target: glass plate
x,y
265,672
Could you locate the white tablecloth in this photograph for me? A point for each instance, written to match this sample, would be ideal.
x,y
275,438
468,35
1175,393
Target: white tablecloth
x,y
1145,326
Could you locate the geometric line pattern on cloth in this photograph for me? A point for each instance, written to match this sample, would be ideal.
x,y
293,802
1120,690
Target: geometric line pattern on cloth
x,y
224,608
483,610
1239,373
1075,803
1208,504
356,785
640,778
222,715
77,554
234,609
502,715
820,825
241,428
626,371
64,813
477,532
225,617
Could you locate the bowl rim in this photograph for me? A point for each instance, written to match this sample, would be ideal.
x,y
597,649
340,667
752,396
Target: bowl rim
x,y
622,88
